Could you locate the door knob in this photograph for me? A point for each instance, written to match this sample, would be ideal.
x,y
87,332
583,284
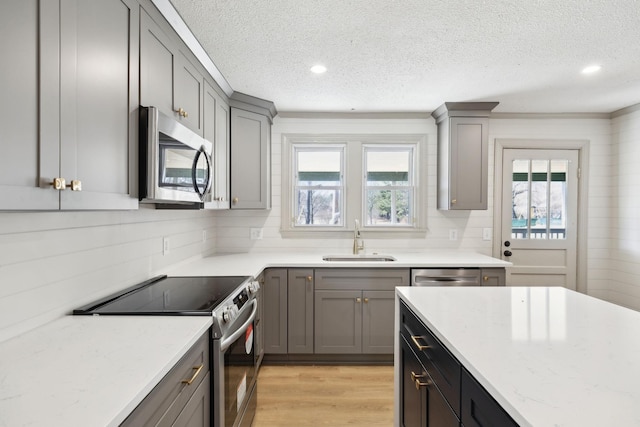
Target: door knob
x,y
507,253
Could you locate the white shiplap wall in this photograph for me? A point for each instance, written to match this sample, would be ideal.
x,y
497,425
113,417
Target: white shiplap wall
x,y
53,262
622,284
233,227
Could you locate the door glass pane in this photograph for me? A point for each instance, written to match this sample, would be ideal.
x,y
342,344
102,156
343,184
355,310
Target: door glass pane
x,y
520,199
539,199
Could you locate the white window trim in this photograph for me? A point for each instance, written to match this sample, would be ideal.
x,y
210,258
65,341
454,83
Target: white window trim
x,y
354,190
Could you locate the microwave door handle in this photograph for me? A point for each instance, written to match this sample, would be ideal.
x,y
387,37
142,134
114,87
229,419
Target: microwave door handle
x,y
194,173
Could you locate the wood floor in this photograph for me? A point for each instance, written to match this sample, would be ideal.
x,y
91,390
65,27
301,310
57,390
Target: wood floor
x,y
334,396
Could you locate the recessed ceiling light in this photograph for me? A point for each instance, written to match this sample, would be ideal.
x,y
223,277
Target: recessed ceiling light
x,y
318,69
591,69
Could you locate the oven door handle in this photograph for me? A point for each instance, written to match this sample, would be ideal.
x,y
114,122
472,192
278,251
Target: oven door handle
x,y
226,342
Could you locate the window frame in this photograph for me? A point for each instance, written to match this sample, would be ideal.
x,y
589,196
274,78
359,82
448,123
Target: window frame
x,y
354,181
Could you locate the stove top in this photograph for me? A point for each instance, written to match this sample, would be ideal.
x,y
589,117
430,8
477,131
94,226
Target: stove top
x,y
190,296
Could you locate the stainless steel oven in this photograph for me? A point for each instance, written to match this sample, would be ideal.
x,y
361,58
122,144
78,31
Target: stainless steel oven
x,y
232,303
175,163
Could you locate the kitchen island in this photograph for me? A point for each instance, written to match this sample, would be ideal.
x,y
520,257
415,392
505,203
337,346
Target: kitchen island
x,y
548,356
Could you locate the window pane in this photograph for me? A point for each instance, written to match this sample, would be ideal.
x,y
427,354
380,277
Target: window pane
x,y
388,207
558,202
539,201
317,207
387,167
520,200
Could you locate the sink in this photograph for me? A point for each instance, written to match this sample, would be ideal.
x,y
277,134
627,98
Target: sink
x,y
359,258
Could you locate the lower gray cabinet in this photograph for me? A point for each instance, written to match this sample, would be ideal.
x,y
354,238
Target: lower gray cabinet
x,y
274,317
354,309
182,397
493,277
300,310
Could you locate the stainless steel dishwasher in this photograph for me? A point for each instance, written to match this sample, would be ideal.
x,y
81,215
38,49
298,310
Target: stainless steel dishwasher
x,y
446,277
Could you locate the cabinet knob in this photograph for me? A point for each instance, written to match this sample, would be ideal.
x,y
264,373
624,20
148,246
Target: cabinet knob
x,y
235,200
454,201
76,185
485,278
58,184
358,300
366,300
182,113
309,278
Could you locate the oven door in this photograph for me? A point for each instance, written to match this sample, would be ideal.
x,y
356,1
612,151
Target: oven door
x,y
234,396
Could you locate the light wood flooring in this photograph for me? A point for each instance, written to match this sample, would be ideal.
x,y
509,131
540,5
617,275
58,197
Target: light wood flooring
x,y
334,396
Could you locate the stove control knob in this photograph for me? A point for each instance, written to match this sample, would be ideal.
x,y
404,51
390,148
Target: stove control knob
x,y
228,314
253,287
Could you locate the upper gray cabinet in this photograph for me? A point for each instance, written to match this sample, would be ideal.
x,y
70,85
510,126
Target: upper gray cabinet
x,y
251,120
463,154
68,125
216,129
168,79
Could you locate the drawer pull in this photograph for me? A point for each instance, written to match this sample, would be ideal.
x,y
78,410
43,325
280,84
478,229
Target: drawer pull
x,y
195,375
415,339
421,384
414,376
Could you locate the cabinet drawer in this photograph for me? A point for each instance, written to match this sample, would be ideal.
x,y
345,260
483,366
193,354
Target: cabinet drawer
x,y
381,279
167,400
479,409
441,365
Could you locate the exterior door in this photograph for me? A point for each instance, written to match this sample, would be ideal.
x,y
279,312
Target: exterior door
x,y
540,216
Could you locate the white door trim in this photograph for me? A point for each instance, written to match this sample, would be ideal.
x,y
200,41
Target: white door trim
x,y
582,145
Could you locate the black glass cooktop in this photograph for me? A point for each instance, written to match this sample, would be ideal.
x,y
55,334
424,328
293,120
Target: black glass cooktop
x,y
168,296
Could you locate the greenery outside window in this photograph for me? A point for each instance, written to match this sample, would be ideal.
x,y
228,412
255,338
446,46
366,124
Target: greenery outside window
x,y
318,194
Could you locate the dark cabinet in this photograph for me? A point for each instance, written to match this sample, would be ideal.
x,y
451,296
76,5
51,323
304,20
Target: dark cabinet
x,y
479,409
422,403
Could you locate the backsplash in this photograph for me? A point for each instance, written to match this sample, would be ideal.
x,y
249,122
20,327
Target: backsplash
x,y
53,262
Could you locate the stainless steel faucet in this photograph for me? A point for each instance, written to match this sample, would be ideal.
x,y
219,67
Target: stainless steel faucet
x,y
358,243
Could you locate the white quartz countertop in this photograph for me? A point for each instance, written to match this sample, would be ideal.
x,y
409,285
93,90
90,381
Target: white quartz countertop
x,y
549,356
89,370
251,264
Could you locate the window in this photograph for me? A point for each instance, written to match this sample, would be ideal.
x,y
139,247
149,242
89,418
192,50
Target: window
x,y
329,182
319,185
388,187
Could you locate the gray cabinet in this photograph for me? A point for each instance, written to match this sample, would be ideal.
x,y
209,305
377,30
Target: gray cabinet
x,y
168,79
251,120
300,310
493,277
72,113
216,130
182,397
354,309
274,318
463,149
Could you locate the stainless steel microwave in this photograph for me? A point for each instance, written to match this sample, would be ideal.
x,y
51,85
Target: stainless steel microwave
x,y
175,164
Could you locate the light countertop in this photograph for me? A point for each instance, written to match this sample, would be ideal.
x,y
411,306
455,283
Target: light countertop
x,y
251,264
549,356
90,370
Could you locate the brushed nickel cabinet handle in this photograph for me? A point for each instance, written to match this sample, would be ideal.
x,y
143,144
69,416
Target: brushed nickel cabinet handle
x,y
195,375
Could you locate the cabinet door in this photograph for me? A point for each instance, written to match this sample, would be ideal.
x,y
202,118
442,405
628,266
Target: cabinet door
x,y
338,322
275,316
99,100
300,295
413,402
29,125
493,277
250,160
187,95
196,412
216,130
156,66
479,408
468,163
378,321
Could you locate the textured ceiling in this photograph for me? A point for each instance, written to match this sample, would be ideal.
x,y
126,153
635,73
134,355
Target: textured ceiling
x,y
413,55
